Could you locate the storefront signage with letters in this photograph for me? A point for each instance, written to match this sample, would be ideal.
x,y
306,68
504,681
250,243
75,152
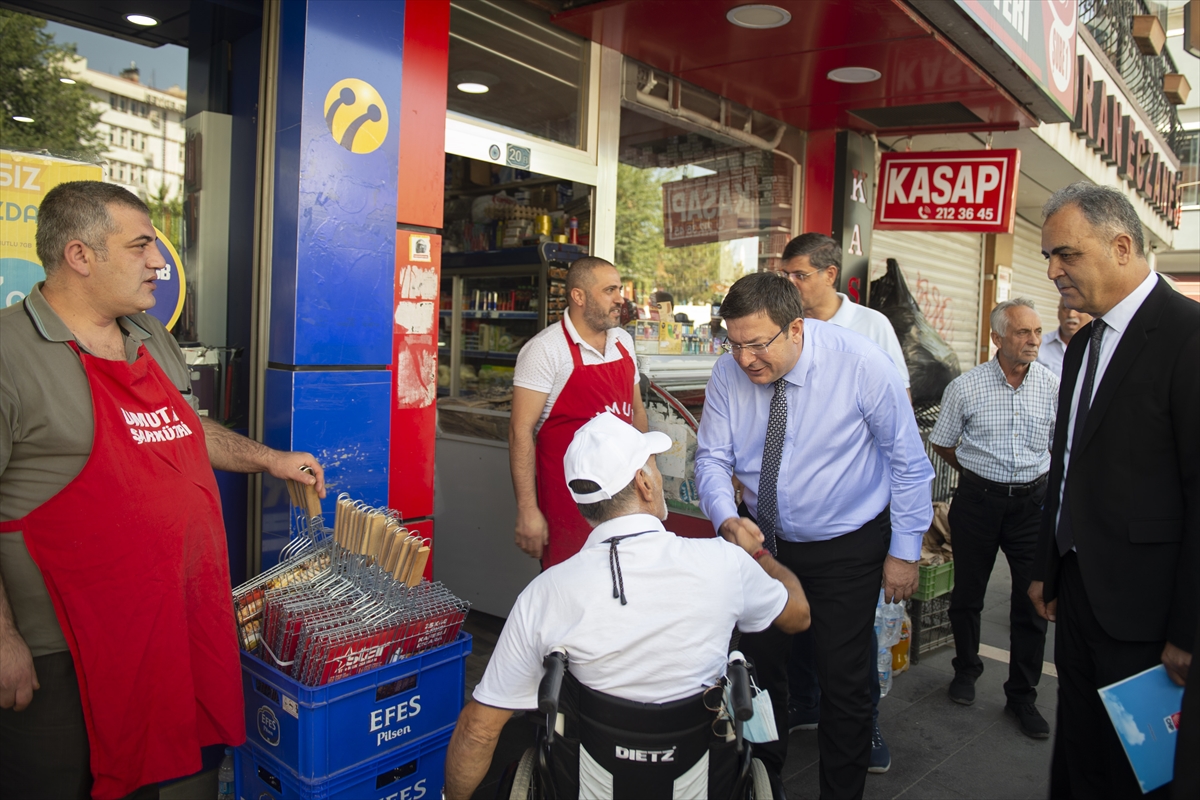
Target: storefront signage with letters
x,y
855,160
972,191
1100,121
713,208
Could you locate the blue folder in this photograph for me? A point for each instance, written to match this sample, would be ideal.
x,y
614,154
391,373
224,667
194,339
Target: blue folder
x,y
1144,709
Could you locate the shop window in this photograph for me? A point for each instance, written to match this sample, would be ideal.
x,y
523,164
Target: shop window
x,y
509,66
1189,152
695,212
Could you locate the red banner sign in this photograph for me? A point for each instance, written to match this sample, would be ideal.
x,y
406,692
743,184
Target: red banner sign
x,y
972,191
713,208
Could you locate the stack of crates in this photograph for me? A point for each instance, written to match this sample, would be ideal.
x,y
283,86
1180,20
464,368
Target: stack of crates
x,y
929,610
379,735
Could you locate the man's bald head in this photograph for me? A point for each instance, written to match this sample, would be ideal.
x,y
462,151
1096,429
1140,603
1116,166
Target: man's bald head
x,y
582,274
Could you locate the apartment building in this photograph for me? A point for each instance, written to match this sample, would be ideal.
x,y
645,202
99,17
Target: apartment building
x,y
143,127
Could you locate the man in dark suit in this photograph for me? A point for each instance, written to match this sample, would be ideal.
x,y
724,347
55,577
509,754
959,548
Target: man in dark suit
x,y
1119,549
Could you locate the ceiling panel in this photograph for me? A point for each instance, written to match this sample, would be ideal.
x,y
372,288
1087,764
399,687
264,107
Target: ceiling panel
x,y
783,71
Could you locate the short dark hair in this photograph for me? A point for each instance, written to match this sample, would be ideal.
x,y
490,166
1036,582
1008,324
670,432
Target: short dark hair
x,y
662,297
768,292
579,275
822,251
1106,208
79,210
604,510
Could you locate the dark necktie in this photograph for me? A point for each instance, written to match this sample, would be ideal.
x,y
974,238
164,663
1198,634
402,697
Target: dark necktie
x,y
768,481
1066,534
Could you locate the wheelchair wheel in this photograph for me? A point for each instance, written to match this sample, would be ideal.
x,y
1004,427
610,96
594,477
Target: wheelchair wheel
x,y
760,784
524,786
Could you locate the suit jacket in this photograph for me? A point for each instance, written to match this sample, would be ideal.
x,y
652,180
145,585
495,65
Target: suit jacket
x,y
1135,477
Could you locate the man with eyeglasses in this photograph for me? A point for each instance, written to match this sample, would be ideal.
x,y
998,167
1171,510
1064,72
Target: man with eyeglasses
x,y
812,262
814,422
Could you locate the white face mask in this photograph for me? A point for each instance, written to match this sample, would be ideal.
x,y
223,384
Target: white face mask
x,y
760,728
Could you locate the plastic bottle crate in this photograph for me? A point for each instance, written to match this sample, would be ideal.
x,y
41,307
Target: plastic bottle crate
x,y
320,731
935,581
930,626
416,772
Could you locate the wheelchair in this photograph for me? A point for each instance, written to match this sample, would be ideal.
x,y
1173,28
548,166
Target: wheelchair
x,y
594,745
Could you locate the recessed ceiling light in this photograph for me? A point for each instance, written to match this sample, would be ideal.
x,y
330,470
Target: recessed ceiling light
x,y
66,80
142,19
854,75
758,16
474,81
23,119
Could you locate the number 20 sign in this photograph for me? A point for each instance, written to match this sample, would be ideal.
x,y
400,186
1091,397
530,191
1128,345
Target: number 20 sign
x,y
971,191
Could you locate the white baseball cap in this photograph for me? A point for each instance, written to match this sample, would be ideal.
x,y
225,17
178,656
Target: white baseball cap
x,y
609,453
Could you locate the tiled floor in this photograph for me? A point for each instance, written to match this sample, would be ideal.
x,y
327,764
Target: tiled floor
x,y
939,749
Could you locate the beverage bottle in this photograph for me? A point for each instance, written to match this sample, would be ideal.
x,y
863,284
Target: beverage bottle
x,y
884,662
225,787
900,649
573,230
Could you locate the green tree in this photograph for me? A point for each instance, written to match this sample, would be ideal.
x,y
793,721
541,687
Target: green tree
x,y
31,64
166,213
687,272
639,223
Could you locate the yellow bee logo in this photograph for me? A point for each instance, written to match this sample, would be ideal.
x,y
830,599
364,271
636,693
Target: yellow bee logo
x,y
356,115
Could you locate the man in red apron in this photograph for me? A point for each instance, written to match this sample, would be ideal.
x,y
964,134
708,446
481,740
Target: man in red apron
x,y
567,374
118,657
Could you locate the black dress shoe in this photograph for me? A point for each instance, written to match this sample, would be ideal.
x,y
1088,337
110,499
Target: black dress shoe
x,y
1033,724
962,689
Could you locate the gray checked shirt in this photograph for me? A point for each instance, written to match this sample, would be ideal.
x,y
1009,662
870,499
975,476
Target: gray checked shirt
x,y
998,432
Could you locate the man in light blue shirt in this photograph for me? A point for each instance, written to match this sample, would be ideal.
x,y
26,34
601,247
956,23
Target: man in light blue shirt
x,y
815,423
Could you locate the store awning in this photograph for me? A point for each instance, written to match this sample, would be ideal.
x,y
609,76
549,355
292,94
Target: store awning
x,y
926,82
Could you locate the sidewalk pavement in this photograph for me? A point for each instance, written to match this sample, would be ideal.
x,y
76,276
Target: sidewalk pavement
x,y
939,749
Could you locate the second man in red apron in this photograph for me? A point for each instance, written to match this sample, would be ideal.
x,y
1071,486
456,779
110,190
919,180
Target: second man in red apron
x,y
567,374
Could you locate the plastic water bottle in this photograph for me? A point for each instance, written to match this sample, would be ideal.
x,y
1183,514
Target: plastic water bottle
x,y
884,661
225,789
893,619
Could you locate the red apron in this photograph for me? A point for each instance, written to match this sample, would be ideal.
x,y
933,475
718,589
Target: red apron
x,y
133,554
589,391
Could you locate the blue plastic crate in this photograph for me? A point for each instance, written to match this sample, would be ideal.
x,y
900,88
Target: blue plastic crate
x,y
416,772
319,732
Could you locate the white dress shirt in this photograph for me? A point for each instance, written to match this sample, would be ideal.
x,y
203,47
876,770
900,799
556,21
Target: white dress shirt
x,y
1052,352
876,327
670,640
1117,319
851,446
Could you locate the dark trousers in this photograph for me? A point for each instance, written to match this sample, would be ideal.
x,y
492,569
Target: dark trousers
x,y
804,688
841,578
981,523
44,749
1089,761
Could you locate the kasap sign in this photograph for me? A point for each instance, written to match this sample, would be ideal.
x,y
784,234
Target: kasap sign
x,y
713,208
972,191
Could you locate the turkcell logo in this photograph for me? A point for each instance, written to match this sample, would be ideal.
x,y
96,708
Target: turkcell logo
x,y
356,115
268,726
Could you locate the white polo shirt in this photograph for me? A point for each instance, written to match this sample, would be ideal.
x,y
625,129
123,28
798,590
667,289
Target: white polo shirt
x,y
875,326
544,363
684,597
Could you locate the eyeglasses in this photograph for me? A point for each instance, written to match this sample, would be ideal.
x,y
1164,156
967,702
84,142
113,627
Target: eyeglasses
x,y
756,349
802,276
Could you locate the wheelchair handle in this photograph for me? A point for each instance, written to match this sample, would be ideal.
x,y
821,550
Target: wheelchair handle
x,y
739,679
555,666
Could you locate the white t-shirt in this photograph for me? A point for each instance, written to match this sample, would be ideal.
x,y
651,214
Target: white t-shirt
x,y
873,325
544,363
684,597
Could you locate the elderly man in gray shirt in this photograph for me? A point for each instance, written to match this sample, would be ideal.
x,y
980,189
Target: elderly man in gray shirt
x,y
994,428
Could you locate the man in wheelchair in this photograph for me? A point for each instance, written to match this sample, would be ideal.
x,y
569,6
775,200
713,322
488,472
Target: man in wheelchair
x,y
644,618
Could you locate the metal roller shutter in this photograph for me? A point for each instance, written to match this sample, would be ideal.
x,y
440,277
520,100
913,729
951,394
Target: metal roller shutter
x,y
1029,273
943,271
